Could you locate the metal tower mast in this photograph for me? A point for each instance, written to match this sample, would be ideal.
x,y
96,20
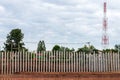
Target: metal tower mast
x,y
105,38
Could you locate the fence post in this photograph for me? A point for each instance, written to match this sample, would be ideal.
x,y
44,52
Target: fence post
x,y
103,62
6,63
54,61
38,61
78,59
2,71
48,64
89,62
18,62
94,62
106,62
45,61
15,55
111,62
74,62
81,62
28,60
118,62
13,66
84,62
68,61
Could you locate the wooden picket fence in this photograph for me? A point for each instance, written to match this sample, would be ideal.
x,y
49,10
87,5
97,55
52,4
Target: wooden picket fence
x,y
12,62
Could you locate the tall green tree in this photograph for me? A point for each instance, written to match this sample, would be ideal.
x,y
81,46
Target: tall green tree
x,y
14,40
41,46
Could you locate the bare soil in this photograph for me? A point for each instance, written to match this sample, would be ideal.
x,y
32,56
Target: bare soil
x,y
62,76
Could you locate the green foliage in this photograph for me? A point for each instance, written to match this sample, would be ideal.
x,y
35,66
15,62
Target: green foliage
x,y
56,48
41,46
109,51
117,48
14,40
87,49
65,49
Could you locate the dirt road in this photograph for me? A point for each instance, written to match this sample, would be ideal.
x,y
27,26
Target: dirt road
x,y
62,76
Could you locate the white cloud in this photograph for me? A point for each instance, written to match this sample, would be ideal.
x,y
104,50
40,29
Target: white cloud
x,y
60,20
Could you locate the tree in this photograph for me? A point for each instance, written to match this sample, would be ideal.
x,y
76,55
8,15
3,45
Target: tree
x,y
56,48
41,46
109,51
61,48
117,48
64,48
14,40
88,49
72,50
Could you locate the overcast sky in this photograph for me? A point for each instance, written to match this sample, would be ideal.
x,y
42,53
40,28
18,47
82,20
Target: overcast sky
x,y
56,21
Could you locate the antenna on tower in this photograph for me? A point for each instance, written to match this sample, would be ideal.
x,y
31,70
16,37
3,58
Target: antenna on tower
x,y
105,38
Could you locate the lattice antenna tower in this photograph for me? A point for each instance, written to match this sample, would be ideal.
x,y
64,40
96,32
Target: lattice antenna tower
x,y
105,37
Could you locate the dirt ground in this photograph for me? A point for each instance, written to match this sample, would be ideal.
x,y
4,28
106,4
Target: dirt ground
x,y
62,76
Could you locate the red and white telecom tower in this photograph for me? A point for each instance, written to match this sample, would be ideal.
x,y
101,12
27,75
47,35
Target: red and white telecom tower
x,y
105,38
